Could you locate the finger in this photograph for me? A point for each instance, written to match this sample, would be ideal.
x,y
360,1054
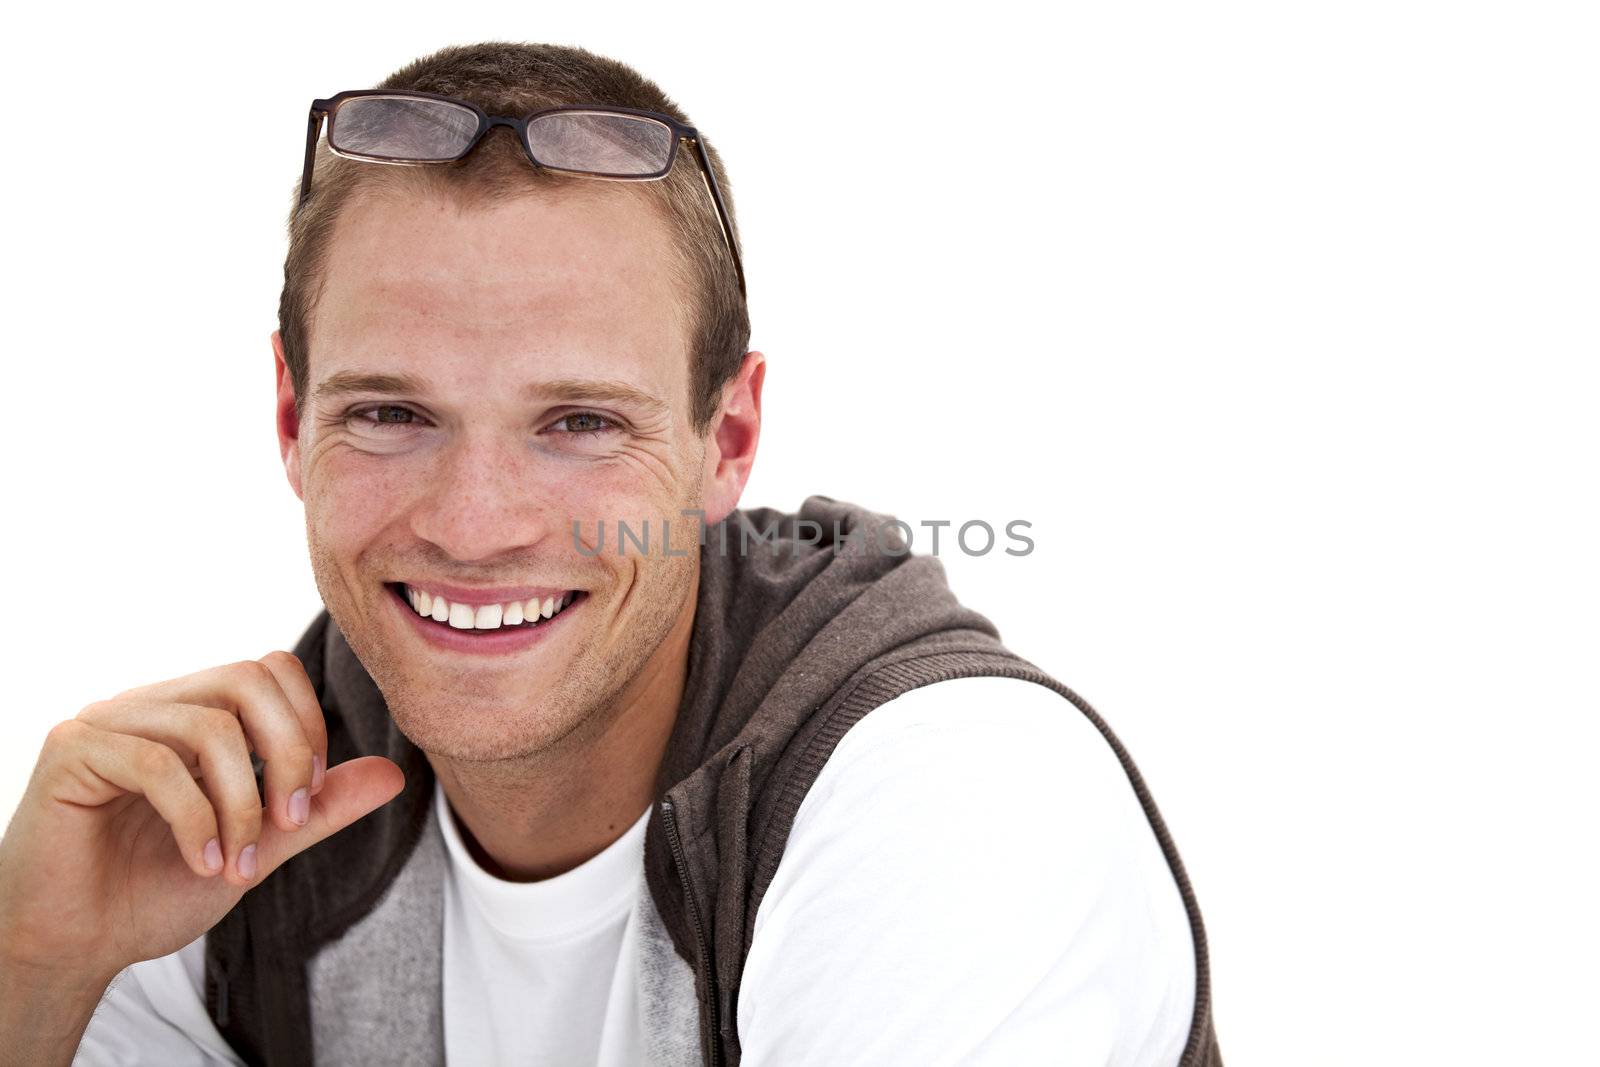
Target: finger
x,y
184,728
350,791
229,779
117,764
251,691
296,685
209,741
273,727
173,725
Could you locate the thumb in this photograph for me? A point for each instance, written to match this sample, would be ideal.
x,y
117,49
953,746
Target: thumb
x,y
353,789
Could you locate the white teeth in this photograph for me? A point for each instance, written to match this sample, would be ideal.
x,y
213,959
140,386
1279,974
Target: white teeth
x,y
485,616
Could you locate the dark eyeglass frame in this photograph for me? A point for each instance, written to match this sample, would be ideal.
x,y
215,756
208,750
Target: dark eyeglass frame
x,y
680,133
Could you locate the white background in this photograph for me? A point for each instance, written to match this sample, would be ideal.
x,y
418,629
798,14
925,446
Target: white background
x,y
1277,321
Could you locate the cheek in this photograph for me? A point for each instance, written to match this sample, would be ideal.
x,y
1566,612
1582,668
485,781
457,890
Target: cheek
x,y
350,496
618,488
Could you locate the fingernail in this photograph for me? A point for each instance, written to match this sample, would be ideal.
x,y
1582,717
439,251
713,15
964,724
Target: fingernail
x,y
247,861
212,855
316,772
300,805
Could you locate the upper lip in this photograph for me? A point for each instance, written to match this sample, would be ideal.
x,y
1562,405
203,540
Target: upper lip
x,y
477,596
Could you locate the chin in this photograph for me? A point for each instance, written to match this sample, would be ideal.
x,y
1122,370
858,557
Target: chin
x,y
487,728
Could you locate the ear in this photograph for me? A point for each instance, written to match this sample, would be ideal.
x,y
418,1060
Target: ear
x,y
731,448
288,419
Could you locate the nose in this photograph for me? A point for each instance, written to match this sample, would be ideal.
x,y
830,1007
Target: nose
x,y
482,498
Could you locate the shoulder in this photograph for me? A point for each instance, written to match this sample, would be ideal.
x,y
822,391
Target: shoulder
x,y
975,846
1012,756
987,719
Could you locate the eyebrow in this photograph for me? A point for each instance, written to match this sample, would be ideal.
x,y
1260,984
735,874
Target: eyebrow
x,y
571,390
346,382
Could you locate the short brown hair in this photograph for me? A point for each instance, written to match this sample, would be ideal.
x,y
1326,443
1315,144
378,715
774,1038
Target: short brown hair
x,y
514,79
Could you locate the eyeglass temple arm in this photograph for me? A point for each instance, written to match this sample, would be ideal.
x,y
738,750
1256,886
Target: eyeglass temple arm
x,y
722,210
313,128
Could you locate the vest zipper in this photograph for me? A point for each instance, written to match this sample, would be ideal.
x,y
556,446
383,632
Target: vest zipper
x,y
222,999
708,1025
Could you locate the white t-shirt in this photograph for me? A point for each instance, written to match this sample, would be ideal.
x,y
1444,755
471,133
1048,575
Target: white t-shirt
x,y
970,880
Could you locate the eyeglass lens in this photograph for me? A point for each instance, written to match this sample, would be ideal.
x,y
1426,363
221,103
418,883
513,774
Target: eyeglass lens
x,y
601,143
590,142
393,127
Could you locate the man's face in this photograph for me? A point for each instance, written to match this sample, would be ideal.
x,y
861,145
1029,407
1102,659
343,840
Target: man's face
x,y
538,375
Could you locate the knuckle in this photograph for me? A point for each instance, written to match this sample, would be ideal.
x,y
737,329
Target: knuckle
x,y
153,761
198,812
280,658
244,821
296,755
64,734
216,726
96,711
250,673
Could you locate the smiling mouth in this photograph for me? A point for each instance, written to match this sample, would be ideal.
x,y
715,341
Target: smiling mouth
x,y
485,618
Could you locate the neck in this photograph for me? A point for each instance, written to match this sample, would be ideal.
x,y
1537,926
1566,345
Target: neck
x,y
534,818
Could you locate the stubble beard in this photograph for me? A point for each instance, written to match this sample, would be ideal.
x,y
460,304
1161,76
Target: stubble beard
x,y
463,715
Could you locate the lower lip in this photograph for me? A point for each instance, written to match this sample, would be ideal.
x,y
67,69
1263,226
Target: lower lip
x,y
507,640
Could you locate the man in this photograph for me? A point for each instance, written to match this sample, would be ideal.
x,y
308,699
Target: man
x,y
534,788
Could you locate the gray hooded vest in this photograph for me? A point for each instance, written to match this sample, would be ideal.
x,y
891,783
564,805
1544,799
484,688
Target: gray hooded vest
x,y
804,624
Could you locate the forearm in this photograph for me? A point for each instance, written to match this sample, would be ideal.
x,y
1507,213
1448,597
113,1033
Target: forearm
x,y
43,1014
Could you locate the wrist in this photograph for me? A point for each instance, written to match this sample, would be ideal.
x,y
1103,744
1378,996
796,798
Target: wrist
x,y
45,1010
65,974
20,976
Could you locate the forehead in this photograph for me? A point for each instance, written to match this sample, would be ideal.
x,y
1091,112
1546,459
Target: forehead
x,y
489,296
